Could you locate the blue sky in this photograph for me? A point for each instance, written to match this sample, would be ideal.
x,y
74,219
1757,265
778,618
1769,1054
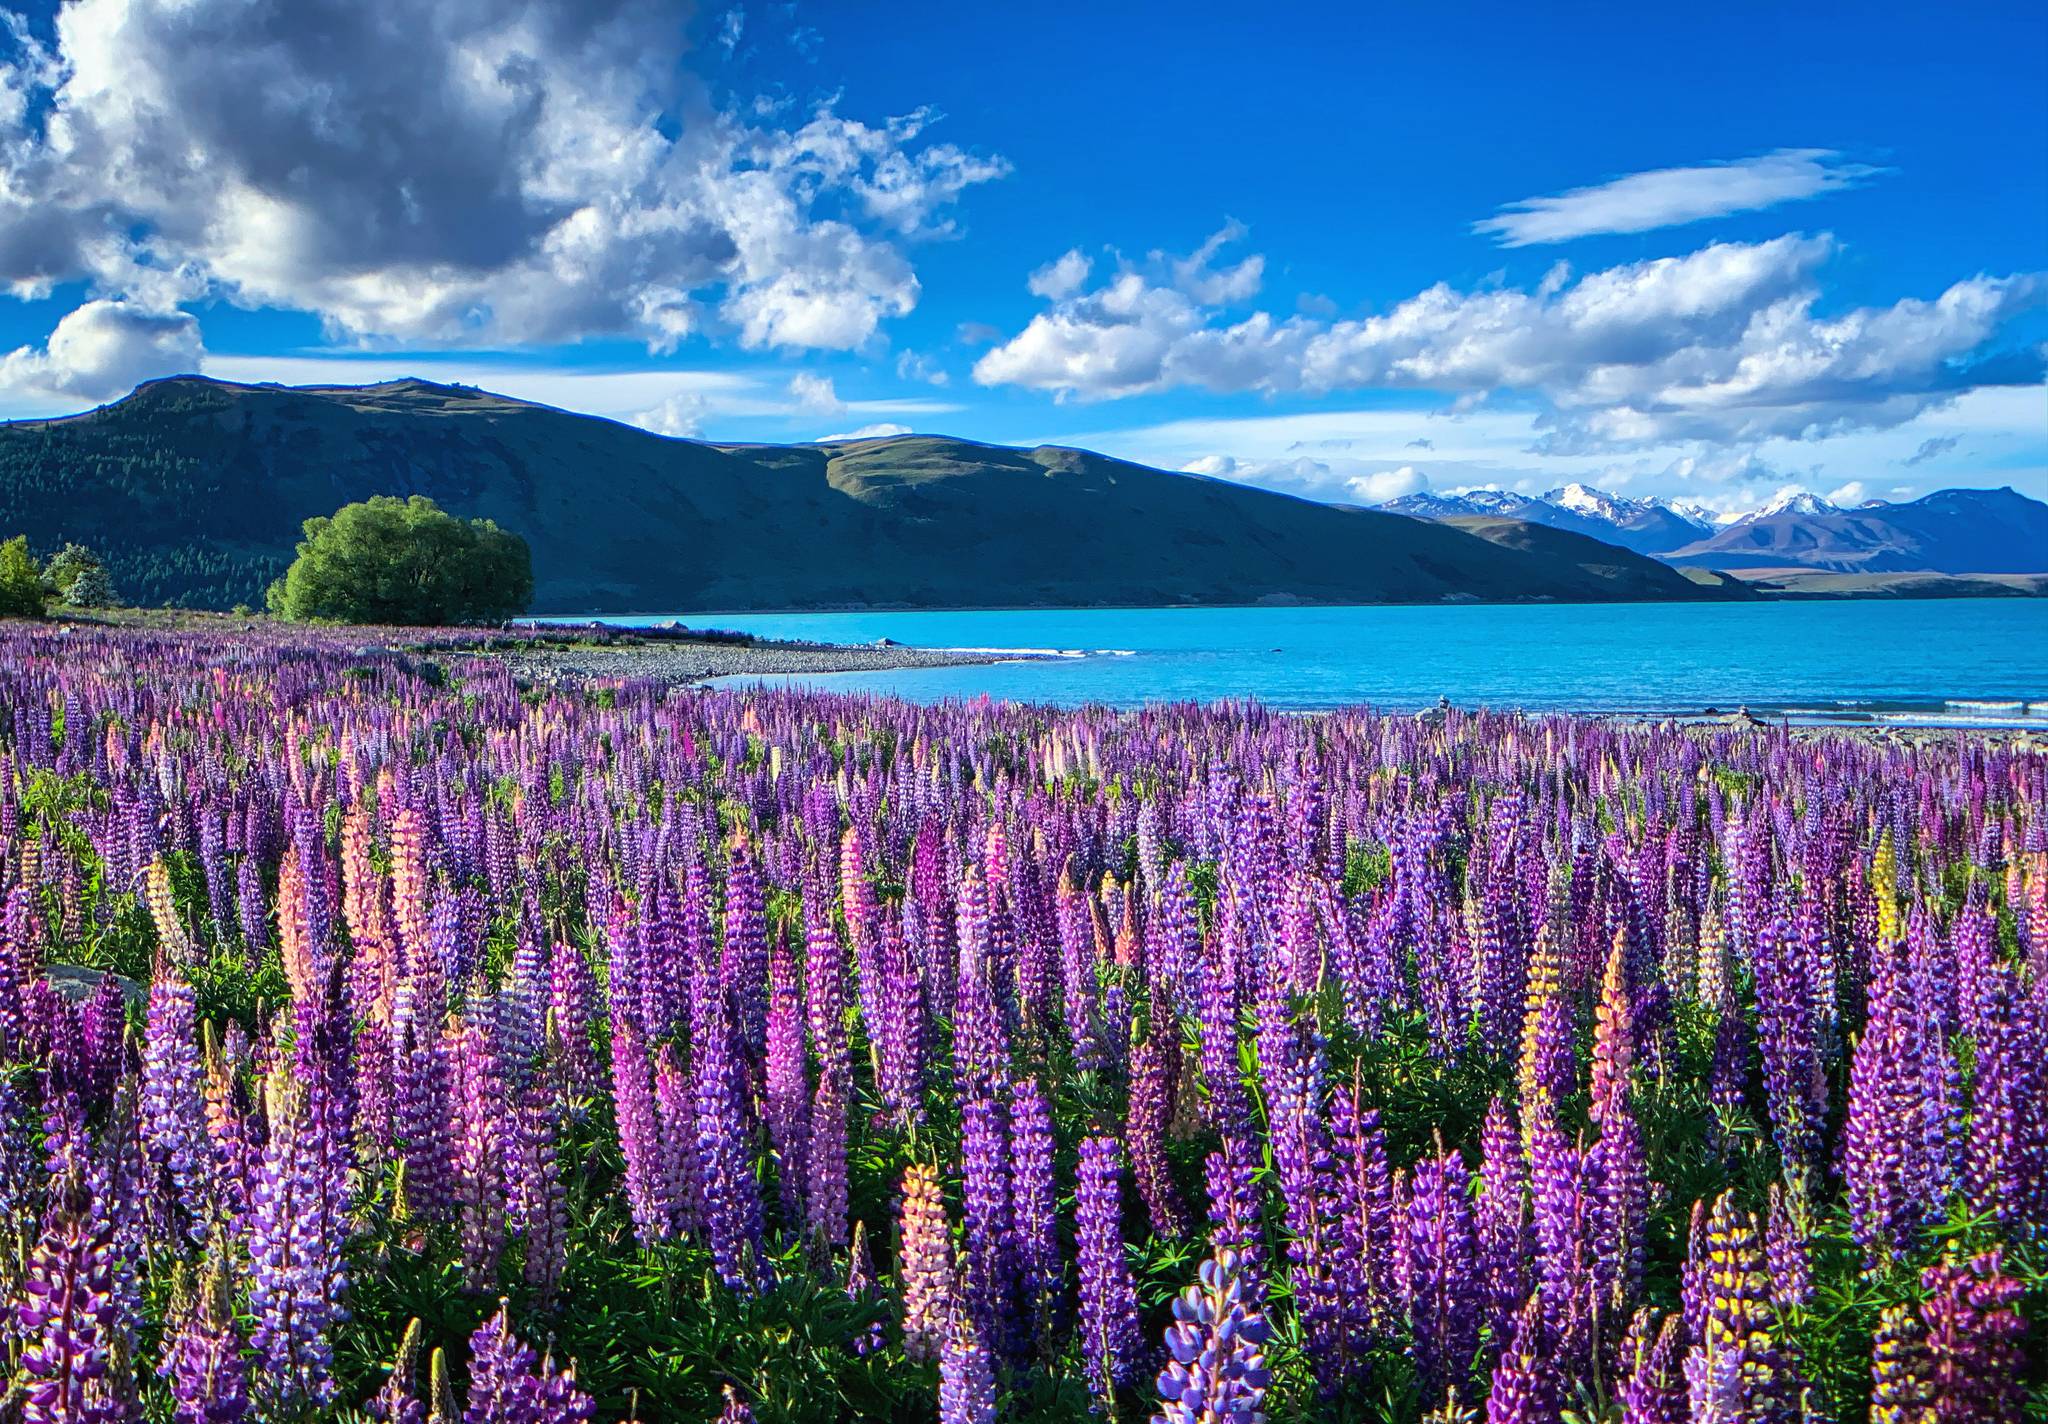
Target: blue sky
x,y
1341,251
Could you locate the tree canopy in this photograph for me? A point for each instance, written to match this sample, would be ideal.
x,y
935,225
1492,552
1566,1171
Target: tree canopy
x,y
406,561
21,581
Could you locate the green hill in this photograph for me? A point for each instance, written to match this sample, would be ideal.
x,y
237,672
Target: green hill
x,y
194,489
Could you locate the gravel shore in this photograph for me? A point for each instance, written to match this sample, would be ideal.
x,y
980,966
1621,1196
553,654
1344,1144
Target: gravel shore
x,y
681,661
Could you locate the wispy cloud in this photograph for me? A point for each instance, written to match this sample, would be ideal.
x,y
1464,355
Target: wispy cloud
x,y
1668,197
1930,450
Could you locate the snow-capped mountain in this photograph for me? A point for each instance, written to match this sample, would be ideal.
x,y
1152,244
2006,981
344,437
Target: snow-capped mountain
x,y
1950,531
1646,526
1796,502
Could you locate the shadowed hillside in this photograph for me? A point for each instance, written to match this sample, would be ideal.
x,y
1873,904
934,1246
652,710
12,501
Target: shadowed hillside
x,y
194,491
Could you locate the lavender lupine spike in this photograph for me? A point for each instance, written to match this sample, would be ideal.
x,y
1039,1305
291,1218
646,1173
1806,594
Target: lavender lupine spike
x,y
539,1202
1652,1380
296,1272
1524,1387
1441,1252
826,1200
639,1131
1034,1198
785,1103
987,1223
1901,1371
1974,1335
730,1195
68,1316
1501,1222
173,1101
1109,1329
967,1382
1151,1111
209,1383
1737,1372
1216,1367
483,1129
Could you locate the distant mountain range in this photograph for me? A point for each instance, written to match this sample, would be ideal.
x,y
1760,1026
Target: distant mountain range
x,y
1954,531
193,490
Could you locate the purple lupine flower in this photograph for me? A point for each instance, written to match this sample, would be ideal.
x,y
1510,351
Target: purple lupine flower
x,y
68,1315
826,1199
729,1194
862,1290
967,1381
1795,1083
1892,1163
735,1410
1501,1222
173,1104
1652,1383
1235,1210
1785,1250
899,1030
572,999
990,1244
1216,1367
1975,1349
785,1106
1901,1372
925,1271
1367,1210
1737,1372
1150,1112
509,1385
202,1360
639,1131
1441,1251
743,965
420,1090
482,1128
1034,1197
539,1204
678,1161
1524,1389
2007,1168
1110,1341
297,1275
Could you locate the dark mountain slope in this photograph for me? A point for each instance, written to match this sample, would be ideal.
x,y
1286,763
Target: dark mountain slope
x,y
195,489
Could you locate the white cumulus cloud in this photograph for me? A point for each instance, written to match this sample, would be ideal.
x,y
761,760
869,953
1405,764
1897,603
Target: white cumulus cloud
x,y
1669,197
487,171
1722,344
105,349
1383,485
815,394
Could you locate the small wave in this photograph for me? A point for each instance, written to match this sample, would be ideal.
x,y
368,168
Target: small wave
x,y
1968,704
1959,719
1018,652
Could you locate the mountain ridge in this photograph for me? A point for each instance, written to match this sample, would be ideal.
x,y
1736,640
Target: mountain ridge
x,y
1951,531
194,490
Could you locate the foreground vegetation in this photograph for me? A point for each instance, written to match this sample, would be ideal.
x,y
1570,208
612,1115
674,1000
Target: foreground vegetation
x,y
620,1052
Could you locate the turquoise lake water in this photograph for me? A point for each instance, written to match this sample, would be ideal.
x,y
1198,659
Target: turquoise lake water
x,y
1979,661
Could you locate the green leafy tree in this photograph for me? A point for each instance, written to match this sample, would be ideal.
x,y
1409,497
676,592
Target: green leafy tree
x,y
391,560
21,581
92,588
79,578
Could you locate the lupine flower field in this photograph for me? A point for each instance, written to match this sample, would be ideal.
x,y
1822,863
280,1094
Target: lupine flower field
x,y
386,1041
